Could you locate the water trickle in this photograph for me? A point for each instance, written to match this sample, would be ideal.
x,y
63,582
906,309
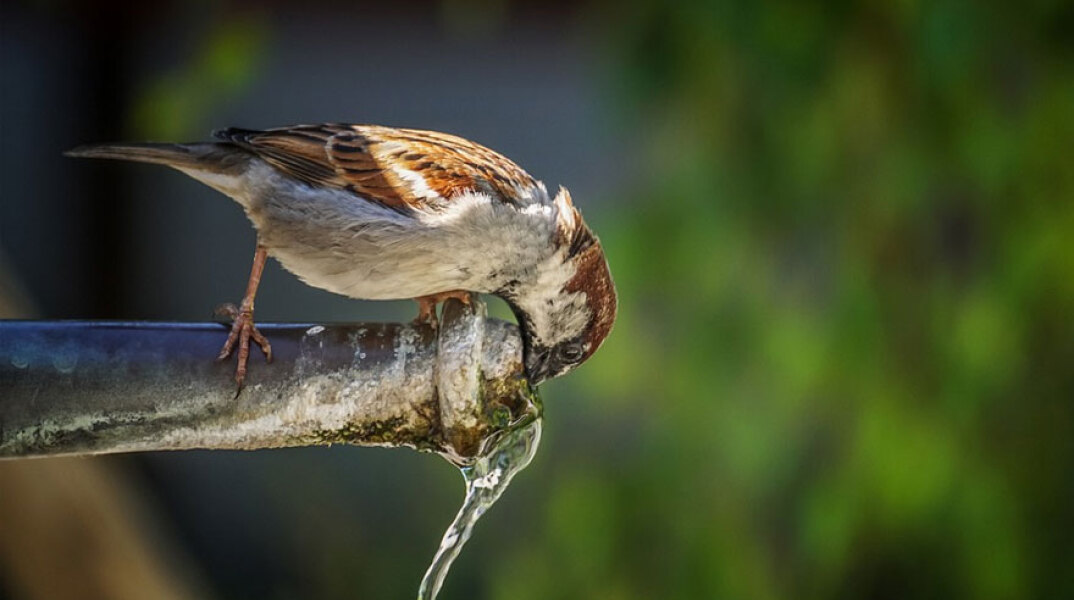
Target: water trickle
x,y
486,481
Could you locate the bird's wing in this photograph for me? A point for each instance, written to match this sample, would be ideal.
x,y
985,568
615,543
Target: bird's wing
x,y
404,169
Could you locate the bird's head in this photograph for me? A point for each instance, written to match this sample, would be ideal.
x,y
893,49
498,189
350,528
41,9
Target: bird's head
x,y
568,309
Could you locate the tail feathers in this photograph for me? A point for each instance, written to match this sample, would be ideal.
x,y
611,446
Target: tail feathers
x,y
216,158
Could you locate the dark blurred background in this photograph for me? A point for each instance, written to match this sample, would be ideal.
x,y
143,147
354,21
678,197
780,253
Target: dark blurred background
x,y
843,239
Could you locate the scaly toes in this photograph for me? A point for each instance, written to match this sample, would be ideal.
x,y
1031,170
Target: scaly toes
x,y
426,313
427,319
244,353
232,337
262,342
242,330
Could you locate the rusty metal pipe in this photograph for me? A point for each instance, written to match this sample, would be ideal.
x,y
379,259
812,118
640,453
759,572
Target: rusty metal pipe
x,y
69,387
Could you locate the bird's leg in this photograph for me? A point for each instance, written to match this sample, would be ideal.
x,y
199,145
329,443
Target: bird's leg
x,y
427,305
242,327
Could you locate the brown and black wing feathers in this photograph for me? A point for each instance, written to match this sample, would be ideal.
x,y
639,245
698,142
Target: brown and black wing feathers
x,y
404,169
297,151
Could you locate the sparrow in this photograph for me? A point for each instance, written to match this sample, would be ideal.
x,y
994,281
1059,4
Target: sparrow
x,y
381,213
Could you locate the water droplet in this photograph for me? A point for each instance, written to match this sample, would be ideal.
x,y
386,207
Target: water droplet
x,y
488,481
316,329
65,363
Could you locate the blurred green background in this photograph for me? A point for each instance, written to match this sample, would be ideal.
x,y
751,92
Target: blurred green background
x,y
843,239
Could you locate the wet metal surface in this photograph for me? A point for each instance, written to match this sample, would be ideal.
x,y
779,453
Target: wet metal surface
x,y
95,387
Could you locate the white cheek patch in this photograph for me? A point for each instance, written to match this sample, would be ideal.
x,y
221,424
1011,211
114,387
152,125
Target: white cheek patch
x,y
555,315
567,319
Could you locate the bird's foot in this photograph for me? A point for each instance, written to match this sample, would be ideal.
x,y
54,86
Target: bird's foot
x,y
427,306
242,330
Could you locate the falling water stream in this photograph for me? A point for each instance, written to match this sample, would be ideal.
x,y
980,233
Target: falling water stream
x,y
486,480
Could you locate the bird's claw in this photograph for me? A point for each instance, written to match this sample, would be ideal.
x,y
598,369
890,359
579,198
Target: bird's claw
x,y
427,314
242,331
427,306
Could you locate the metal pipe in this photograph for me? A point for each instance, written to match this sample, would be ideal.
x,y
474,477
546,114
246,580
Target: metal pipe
x,y
70,387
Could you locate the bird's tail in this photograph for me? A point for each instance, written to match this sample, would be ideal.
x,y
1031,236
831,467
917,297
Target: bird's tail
x,y
205,156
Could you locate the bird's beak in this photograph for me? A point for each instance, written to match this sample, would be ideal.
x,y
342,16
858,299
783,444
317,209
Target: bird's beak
x,y
536,367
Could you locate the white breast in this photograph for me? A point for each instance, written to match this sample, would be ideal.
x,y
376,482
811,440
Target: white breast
x,y
333,240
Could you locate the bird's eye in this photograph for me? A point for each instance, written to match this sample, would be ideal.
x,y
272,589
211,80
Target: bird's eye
x,y
571,353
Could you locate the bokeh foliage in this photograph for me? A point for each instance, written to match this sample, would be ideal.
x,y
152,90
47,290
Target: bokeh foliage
x,y
846,344
844,365
169,105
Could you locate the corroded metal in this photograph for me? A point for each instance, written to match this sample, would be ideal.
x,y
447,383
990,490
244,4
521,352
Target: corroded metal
x,y
98,387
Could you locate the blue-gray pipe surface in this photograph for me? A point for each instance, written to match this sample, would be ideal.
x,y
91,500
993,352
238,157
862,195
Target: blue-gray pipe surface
x,y
70,387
